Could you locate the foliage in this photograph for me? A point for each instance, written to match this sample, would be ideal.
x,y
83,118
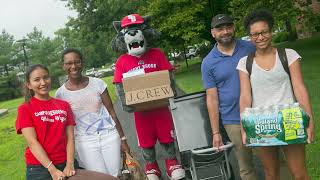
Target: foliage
x,y
9,87
8,59
15,55
181,22
281,10
280,37
315,19
310,21
173,19
46,51
92,30
176,25
204,49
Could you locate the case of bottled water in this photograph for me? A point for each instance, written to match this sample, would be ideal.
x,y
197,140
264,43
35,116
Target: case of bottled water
x,y
275,125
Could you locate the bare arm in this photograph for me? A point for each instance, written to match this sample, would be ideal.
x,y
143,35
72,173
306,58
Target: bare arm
x,y
245,91
302,96
69,169
106,100
39,153
245,98
213,110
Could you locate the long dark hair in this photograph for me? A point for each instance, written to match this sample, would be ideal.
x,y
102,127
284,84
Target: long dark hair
x,y
28,93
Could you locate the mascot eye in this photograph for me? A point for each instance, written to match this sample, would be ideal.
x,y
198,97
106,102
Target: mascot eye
x,y
123,31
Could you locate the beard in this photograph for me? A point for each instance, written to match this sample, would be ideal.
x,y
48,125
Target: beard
x,y
226,39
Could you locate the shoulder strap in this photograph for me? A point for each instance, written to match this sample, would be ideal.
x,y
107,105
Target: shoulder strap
x,y
284,60
249,63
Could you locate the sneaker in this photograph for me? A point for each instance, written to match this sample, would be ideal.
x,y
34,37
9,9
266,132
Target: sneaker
x,y
174,169
152,171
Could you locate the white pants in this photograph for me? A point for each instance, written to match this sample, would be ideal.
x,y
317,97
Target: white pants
x,y
99,152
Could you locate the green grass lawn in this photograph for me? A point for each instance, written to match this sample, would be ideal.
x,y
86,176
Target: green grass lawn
x,y
12,166
189,79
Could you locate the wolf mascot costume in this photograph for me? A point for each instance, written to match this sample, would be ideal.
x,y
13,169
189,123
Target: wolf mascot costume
x,y
134,39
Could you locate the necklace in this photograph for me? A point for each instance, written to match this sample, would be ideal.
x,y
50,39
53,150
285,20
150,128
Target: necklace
x,y
82,83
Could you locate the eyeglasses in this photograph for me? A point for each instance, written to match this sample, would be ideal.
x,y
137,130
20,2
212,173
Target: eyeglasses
x,y
264,33
76,63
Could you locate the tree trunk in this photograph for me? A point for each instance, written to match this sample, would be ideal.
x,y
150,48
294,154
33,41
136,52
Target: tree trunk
x,y
184,55
292,34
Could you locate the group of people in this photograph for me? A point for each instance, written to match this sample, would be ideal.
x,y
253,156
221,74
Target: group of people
x,y
78,128
230,88
81,122
47,123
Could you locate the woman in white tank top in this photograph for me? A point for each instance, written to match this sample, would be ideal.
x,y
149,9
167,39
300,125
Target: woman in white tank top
x,y
269,84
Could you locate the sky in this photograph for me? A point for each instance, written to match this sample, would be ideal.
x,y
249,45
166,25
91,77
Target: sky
x,y
19,17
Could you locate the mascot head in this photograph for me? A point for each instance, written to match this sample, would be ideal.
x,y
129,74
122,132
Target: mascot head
x,y
134,35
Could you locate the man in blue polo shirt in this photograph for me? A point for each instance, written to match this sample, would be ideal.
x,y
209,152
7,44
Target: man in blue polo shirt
x,y
221,81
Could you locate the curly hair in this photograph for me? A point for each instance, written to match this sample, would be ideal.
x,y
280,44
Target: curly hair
x,y
258,15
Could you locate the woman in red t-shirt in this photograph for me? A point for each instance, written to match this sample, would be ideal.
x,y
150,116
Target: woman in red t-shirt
x,y
47,125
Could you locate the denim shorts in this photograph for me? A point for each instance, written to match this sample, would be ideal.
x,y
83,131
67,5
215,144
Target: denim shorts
x,y
38,172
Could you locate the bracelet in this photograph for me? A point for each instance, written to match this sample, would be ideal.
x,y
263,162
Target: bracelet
x,y
49,164
123,138
216,132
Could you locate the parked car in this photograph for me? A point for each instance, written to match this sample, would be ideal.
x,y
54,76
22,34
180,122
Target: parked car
x,y
113,66
104,72
91,72
192,52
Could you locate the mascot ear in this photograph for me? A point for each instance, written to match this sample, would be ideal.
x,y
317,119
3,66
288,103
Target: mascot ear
x,y
117,26
118,44
147,19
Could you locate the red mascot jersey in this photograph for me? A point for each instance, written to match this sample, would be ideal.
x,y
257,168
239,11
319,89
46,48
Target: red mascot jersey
x,y
152,60
157,123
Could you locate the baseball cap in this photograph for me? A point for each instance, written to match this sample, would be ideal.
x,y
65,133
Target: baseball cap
x,y
221,19
131,19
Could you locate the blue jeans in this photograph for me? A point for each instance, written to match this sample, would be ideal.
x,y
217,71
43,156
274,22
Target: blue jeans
x,y
38,172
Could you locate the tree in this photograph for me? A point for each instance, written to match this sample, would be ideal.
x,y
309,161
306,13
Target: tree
x,y
285,12
178,21
46,51
6,49
92,30
8,80
181,22
42,49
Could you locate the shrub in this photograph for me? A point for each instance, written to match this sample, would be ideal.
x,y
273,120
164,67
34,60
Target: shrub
x,y
280,37
10,87
293,35
204,49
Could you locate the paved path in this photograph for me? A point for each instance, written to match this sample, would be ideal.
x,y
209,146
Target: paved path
x,y
127,122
